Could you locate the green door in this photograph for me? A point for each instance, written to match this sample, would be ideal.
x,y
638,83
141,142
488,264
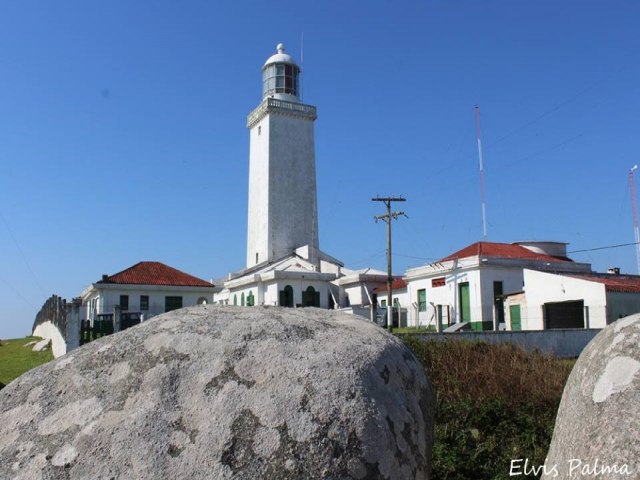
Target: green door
x,y
465,305
514,313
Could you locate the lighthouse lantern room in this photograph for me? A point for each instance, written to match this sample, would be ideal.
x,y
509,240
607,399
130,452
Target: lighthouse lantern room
x,y
280,76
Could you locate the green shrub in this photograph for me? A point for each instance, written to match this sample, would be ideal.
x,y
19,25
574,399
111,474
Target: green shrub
x,y
495,403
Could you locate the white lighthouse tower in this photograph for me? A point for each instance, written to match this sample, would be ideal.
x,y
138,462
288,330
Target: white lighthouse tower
x,y
285,266
282,171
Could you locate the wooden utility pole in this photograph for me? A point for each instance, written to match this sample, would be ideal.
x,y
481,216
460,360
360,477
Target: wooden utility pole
x,y
387,217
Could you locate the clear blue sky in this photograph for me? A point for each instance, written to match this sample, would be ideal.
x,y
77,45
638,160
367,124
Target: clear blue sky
x,y
123,138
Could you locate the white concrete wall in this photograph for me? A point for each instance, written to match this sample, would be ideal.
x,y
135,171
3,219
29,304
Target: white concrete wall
x,y
74,315
541,288
110,297
356,294
282,187
293,209
481,295
401,296
49,330
437,296
512,282
258,209
269,292
446,295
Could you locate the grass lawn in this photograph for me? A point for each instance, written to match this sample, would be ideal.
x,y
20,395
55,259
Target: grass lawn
x,y
15,358
430,329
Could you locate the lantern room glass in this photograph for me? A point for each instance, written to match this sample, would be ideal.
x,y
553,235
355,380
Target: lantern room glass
x,y
280,78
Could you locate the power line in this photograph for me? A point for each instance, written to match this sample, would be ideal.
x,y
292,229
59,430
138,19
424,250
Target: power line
x,y
605,248
541,116
17,293
24,258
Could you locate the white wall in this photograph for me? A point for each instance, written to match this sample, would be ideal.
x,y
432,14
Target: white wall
x,y
268,293
541,288
282,187
49,330
258,209
481,295
356,294
109,297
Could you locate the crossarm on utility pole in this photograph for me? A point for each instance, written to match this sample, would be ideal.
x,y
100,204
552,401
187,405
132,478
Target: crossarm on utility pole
x,y
387,218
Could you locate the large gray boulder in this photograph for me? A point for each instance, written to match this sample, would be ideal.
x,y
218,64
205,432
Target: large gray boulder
x,y
212,392
597,432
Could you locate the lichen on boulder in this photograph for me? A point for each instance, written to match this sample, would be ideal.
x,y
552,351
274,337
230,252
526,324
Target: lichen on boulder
x,y
224,392
597,431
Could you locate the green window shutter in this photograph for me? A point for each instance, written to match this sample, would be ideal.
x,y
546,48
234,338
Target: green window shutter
x,y
144,302
422,300
124,302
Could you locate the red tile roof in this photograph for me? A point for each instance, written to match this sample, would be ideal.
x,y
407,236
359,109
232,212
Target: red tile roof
x,y
397,284
615,283
502,250
155,273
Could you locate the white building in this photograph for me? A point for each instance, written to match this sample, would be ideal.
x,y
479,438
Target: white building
x,y
469,285
553,300
284,264
149,288
399,301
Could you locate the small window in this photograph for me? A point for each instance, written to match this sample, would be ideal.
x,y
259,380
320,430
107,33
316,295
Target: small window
x,y
124,302
172,303
259,129
250,299
144,303
383,304
422,300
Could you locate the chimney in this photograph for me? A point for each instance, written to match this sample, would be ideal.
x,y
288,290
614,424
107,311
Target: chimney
x,y
104,277
614,270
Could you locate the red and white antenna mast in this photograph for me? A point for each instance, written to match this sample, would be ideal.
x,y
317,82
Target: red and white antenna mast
x,y
634,209
484,209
